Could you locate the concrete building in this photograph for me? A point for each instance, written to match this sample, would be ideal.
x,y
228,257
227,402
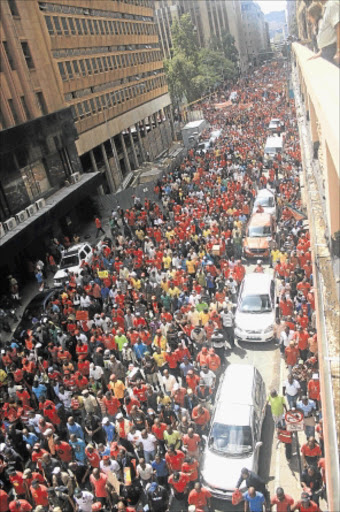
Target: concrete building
x,y
291,18
103,60
317,99
256,32
97,64
210,17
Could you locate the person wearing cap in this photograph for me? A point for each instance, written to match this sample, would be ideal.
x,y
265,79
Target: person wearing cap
x,y
39,494
108,465
282,501
179,482
157,497
305,504
84,500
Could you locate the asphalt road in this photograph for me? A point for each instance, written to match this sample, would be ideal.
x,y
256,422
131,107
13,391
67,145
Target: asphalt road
x,y
266,358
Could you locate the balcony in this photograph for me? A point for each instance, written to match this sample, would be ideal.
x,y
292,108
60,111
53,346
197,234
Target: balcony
x,y
316,85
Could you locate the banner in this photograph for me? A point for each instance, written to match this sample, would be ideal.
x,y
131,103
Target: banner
x,y
102,274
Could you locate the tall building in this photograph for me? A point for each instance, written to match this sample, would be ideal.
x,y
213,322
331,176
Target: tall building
x,y
291,18
211,18
256,31
99,61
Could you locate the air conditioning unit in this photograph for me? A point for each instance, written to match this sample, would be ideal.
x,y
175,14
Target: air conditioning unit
x,y
10,224
2,230
40,203
21,216
75,177
31,210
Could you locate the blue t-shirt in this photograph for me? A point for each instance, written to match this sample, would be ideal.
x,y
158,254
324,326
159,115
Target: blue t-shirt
x,y
255,503
79,450
110,431
160,468
39,390
76,429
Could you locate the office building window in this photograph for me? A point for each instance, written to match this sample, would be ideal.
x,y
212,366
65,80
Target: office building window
x,y
57,25
25,108
14,113
84,26
69,69
88,66
72,27
100,65
94,66
41,103
49,25
27,54
13,7
101,28
80,111
62,71
90,24
78,25
87,108
105,64
93,106
9,55
76,68
82,67
65,26
106,28
99,106
95,26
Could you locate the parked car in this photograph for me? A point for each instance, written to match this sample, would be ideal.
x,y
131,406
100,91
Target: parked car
x,y
256,308
234,439
202,147
34,309
71,261
266,199
260,230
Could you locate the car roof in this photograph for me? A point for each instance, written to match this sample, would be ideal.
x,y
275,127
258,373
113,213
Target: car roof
x,y
256,282
274,142
234,415
74,249
264,192
240,377
260,219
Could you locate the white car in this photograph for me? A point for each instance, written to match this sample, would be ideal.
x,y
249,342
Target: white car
x,y
275,125
71,261
256,308
266,199
202,147
234,439
215,134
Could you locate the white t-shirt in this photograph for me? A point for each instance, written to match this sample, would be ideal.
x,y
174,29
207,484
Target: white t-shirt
x,y
85,501
293,388
148,443
331,17
113,467
145,473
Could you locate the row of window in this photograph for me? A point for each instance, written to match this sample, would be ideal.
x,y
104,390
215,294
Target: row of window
x,y
61,25
13,108
83,11
85,67
92,50
114,98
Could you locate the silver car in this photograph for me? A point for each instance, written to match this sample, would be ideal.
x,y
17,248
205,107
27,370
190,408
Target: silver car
x,y
234,439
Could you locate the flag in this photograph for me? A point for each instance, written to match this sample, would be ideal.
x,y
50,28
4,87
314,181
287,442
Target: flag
x,y
297,214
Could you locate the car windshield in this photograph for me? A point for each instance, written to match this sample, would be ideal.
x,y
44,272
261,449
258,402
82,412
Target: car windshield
x,y
258,231
255,304
69,261
231,440
265,201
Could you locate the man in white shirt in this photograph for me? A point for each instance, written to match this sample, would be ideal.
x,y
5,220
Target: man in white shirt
x,y
96,371
144,472
108,465
291,389
84,500
208,377
149,444
169,381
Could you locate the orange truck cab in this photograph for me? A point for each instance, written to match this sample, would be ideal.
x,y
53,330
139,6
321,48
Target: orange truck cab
x,y
260,231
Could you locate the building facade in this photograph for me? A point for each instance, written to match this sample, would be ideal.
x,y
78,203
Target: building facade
x,y
96,66
256,32
291,18
211,18
101,59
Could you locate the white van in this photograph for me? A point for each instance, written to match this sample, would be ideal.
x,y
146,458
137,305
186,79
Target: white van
x,y
234,439
256,308
274,145
71,261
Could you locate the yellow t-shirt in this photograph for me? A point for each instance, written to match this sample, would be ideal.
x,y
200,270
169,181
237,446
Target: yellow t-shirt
x,y
159,358
191,266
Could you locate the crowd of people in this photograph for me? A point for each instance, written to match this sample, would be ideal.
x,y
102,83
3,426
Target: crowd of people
x,y
107,396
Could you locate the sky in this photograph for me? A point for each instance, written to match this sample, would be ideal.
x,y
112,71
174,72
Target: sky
x,y
272,5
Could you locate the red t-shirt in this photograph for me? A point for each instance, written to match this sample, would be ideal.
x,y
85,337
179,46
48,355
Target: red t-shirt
x,y
158,431
24,506
175,461
64,451
312,507
199,499
283,504
3,501
99,485
40,495
183,481
191,442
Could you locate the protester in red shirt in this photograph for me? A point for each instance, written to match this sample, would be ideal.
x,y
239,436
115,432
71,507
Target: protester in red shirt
x,y
179,482
39,494
200,497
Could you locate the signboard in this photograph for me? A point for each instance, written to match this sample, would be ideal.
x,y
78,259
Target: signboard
x,y
294,421
102,274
